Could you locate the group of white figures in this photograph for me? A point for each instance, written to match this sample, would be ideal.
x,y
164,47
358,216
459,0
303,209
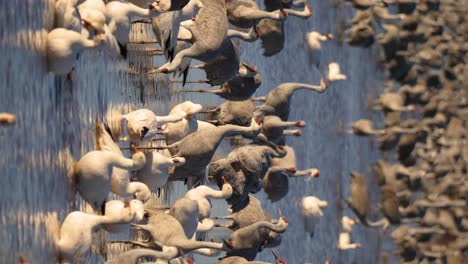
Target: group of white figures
x,y
197,29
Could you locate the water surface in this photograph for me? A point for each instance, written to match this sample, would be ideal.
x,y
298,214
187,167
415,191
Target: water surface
x,y
56,116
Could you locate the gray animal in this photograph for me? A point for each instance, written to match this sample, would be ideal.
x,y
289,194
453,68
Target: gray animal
x,y
358,200
273,128
248,214
132,256
277,101
198,148
241,87
361,34
243,168
186,212
167,230
247,241
234,112
207,34
245,14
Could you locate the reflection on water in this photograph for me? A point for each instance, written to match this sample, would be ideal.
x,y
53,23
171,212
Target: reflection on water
x,y
56,116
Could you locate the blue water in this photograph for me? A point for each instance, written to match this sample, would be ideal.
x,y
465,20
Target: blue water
x,y
56,116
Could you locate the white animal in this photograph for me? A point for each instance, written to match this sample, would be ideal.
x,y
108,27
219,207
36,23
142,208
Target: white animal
x,y
110,42
119,14
334,73
312,211
347,223
97,5
174,132
314,43
67,15
143,123
184,110
126,212
156,171
92,174
344,241
201,193
205,225
120,179
94,19
188,124
139,123
76,234
97,8
63,47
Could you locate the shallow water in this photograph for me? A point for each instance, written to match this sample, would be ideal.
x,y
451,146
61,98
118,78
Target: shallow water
x,y
56,116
